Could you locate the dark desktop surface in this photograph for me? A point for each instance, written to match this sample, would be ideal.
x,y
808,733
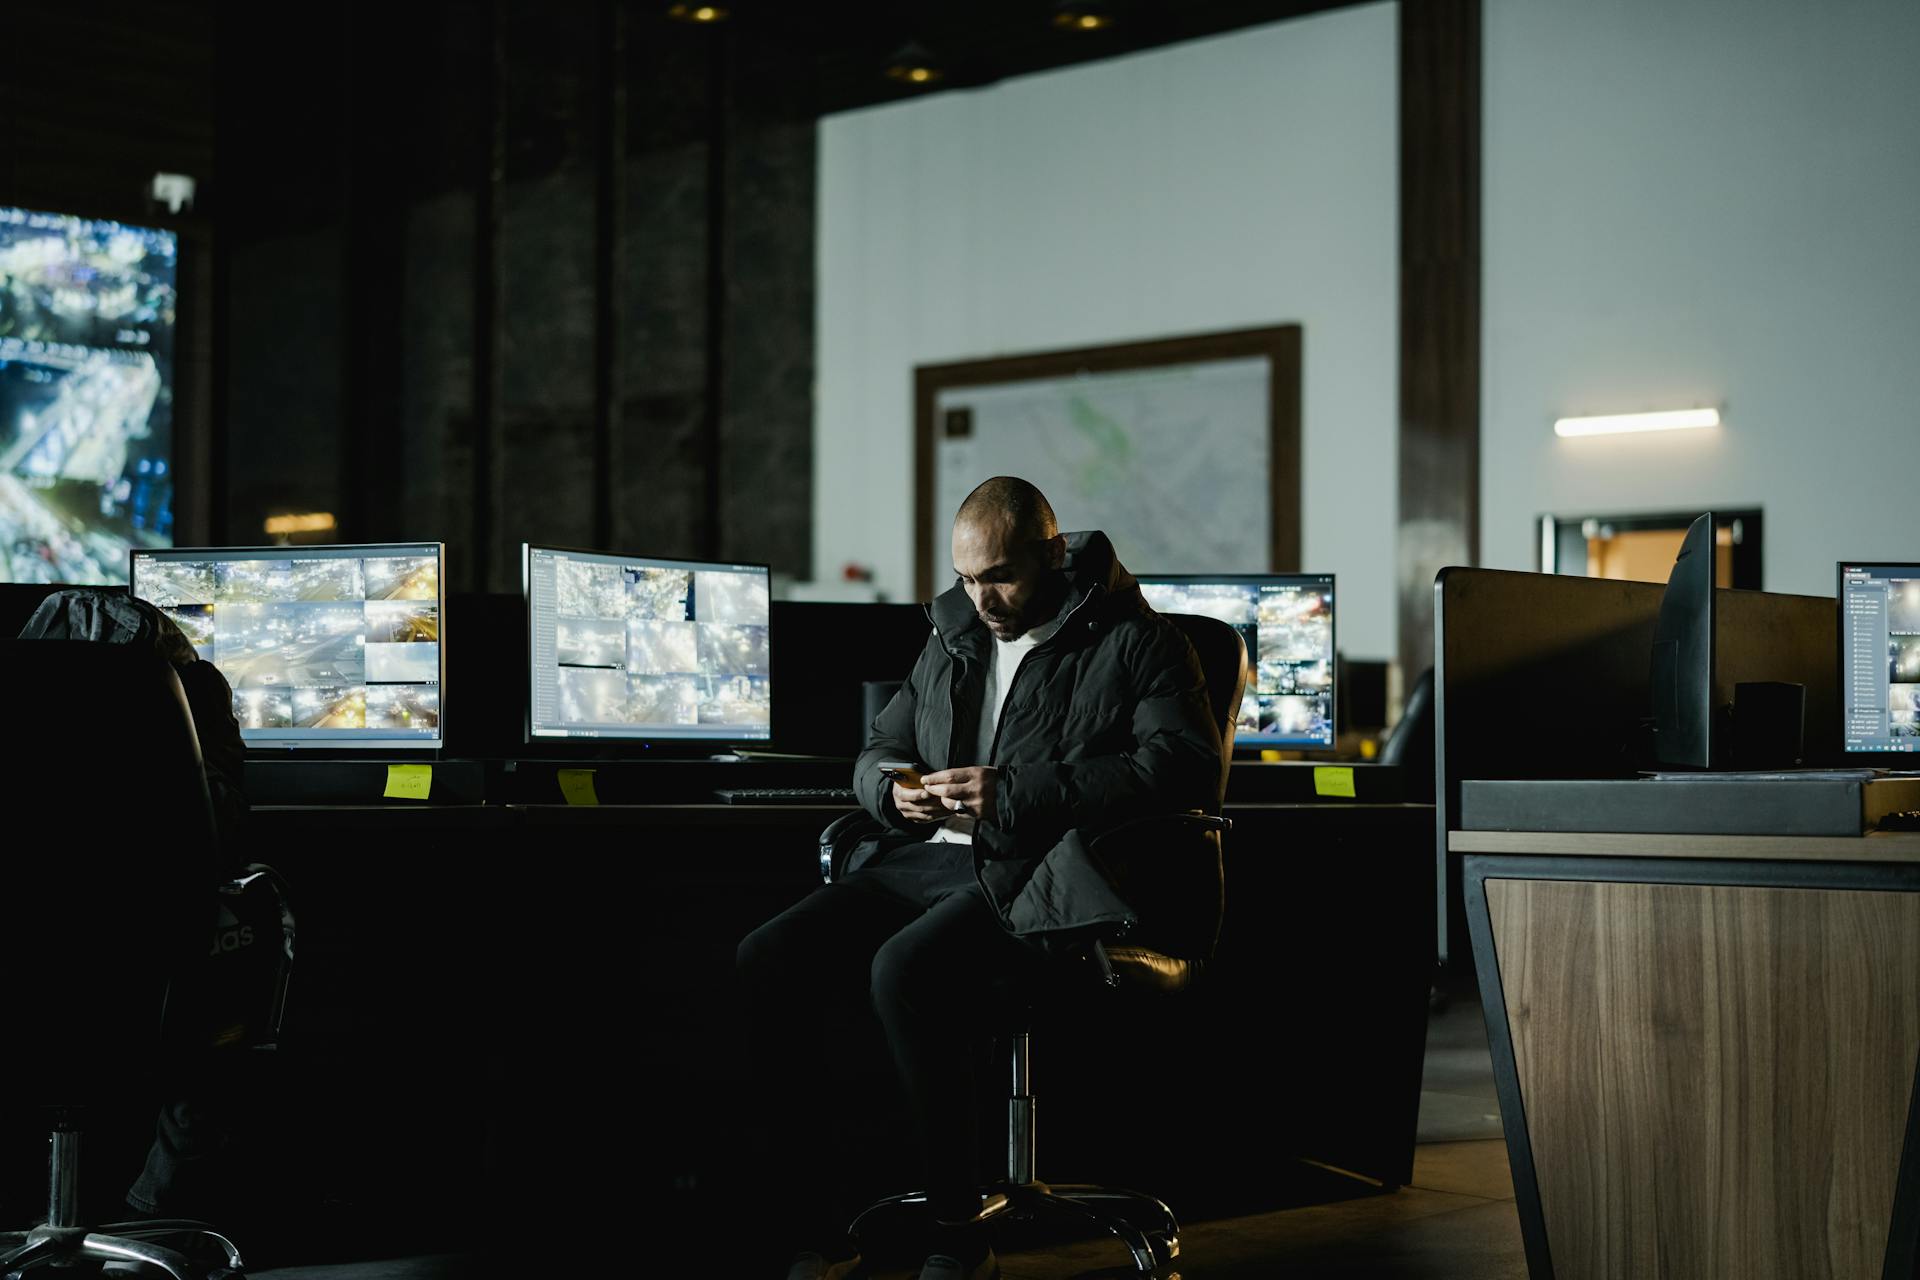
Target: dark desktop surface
x,y
290,778
534,779
538,780
1320,781
1808,804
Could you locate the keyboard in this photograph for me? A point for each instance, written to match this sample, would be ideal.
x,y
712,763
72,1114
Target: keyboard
x,y
788,795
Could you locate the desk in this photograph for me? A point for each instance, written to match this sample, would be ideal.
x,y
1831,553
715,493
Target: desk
x,y
1306,1039
382,1103
558,979
1705,1048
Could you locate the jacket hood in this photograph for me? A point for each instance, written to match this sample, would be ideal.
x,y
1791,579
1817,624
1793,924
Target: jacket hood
x,y
1095,577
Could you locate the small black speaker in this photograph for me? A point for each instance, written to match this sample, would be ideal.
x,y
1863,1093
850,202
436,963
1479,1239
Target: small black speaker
x,y
1769,724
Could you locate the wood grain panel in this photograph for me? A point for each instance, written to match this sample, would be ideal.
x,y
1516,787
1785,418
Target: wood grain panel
x,y
1715,1079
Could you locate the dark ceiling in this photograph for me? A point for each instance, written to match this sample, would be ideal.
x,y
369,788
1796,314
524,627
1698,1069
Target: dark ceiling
x,y
975,42
217,89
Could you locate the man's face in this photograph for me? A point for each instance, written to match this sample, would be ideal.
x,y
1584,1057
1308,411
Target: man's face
x,y
1009,580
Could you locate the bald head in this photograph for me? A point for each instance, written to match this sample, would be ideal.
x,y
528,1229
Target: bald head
x,y
1007,551
1009,504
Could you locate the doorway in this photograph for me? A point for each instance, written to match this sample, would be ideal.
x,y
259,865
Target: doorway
x,y
1641,548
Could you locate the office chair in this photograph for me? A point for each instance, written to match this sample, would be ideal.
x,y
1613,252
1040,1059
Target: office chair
x,y
1410,745
101,761
1123,966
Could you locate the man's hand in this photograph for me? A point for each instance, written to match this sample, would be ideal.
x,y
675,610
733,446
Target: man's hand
x,y
969,791
916,805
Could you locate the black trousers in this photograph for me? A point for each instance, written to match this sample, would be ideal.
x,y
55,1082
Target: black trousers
x,y
912,943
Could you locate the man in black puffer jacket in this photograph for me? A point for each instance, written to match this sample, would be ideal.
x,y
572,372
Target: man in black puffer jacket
x,y
1049,703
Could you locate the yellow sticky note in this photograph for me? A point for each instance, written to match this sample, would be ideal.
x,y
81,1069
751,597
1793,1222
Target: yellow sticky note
x,y
1330,780
577,786
409,781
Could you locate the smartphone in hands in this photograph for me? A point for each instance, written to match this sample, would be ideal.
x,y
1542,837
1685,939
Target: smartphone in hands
x,y
904,772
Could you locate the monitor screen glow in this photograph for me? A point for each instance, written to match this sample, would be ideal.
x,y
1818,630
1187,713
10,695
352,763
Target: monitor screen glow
x,y
646,649
1880,658
87,317
1287,622
325,646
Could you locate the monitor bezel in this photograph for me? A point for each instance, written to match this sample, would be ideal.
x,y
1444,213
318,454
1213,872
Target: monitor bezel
x,y
1895,760
308,746
597,744
1241,742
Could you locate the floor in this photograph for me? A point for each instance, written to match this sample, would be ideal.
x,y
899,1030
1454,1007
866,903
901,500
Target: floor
x,y
1457,1219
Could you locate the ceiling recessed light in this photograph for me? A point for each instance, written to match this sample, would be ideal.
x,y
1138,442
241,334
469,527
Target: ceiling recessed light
x,y
1082,15
698,13
911,64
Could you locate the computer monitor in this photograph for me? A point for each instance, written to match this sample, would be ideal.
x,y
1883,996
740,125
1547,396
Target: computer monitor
x,y
87,311
1879,657
325,646
1680,676
1287,622
641,648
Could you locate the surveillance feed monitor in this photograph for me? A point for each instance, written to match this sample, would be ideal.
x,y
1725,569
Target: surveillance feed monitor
x,y
1880,657
1287,622
638,648
324,646
86,395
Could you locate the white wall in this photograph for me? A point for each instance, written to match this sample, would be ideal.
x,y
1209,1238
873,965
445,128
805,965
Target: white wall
x,y
1694,202
1245,180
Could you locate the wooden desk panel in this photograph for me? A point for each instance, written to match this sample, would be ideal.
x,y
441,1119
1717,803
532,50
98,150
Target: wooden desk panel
x,y
1716,1079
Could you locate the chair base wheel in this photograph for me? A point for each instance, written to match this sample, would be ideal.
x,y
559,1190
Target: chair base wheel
x,y
145,1248
1140,1222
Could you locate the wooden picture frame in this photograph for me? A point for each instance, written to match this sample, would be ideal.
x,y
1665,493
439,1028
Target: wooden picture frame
x,y
1278,346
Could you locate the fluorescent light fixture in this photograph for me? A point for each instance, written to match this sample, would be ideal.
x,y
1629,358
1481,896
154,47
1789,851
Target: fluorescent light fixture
x,y
1614,424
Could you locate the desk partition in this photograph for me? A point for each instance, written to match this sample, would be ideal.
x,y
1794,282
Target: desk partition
x,y
1539,675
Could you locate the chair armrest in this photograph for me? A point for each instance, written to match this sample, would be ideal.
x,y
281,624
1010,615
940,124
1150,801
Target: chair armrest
x,y
1161,859
839,838
1144,969
1192,819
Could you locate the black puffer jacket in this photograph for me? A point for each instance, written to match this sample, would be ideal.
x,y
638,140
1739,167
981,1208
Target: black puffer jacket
x,y
1107,720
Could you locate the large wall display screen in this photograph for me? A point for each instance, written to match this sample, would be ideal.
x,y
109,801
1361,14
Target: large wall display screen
x,y
87,312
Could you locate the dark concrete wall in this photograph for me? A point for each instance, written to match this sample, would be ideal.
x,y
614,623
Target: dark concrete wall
x,y
475,273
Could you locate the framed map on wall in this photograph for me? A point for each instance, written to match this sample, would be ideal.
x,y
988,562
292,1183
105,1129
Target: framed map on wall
x,y
1186,451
